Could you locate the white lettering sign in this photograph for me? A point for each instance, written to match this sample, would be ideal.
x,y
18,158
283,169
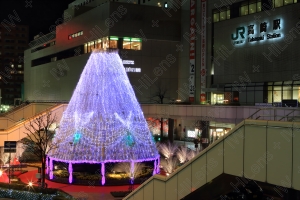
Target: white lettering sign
x,y
130,69
128,62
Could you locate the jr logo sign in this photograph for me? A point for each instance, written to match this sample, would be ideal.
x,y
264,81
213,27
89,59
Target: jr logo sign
x,y
239,31
256,32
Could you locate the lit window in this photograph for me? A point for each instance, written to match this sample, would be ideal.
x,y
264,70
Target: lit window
x,y
278,3
228,14
252,8
216,17
223,15
286,2
258,6
85,48
19,66
136,44
244,9
126,43
113,44
98,44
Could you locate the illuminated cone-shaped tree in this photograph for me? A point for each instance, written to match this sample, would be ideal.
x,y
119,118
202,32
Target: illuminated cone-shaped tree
x,y
103,121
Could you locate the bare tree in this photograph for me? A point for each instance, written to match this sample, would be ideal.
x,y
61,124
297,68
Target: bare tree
x,y
39,138
159,94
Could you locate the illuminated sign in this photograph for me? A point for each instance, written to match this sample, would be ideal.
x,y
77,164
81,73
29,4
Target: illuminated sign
x,y
257,33
128,62
130,69
191,134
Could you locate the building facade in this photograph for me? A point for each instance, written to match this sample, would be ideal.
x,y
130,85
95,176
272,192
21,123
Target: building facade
x,y
146,45
13,42
254,55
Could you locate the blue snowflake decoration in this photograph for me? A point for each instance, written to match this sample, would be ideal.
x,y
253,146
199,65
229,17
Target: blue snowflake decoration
x,y
129,139
77,137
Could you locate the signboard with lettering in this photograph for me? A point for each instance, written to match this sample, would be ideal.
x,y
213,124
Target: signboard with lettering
x,y
192,48
257,32
10,146
192,85
203,52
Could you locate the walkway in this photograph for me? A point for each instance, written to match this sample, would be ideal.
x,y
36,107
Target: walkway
x,y
83,192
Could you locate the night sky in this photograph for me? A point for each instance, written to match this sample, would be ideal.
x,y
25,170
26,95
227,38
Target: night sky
x,y
39,15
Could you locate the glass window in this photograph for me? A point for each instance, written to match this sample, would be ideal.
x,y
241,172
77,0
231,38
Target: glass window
x,y
223,15
295,1
90,46
277,94
98,44
278,83
278,3
136,44
295,82
259,88
126,43
296,93
287,92
85,48
228,14
216,17
286,2
259,97
244,10
287,82
252,8
113,44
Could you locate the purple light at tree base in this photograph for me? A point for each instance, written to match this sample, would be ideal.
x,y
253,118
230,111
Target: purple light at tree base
x,y
103,121
103,173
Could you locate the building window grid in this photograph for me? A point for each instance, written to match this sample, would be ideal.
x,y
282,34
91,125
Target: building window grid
x,y
248,7
276,91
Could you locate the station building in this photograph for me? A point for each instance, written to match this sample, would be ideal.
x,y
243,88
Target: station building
x,y
197,52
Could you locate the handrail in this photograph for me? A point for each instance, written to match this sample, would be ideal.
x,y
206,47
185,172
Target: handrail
x,y
13,109
274,115
250,117
286,115
25,120
165,179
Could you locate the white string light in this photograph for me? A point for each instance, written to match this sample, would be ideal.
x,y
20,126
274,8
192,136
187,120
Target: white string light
x,y
104,121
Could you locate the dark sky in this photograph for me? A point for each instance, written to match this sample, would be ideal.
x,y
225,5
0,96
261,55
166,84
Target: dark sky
x,y
39,15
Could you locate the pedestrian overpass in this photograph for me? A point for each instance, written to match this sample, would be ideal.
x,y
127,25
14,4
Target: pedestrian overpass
x,y
260,150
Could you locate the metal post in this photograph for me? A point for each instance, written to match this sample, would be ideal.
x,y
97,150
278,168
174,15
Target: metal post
x,y
9,167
